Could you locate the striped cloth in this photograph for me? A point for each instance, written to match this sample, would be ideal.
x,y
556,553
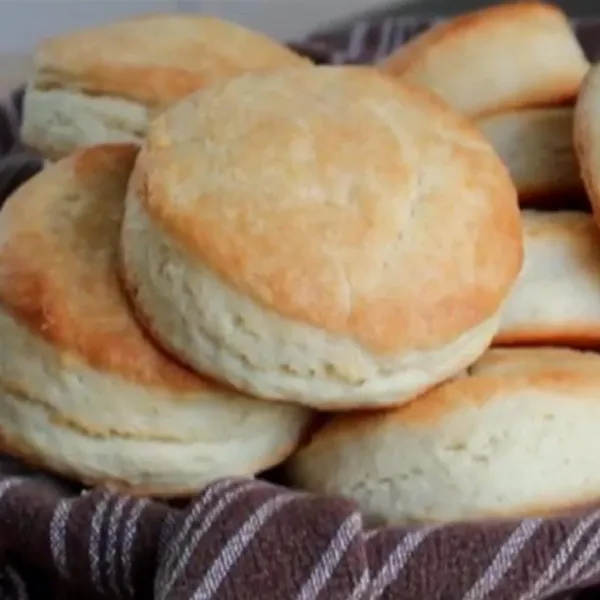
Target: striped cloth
x,y
252,539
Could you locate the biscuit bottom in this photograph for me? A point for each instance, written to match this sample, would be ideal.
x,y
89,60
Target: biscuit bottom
x,y
56,122
134,466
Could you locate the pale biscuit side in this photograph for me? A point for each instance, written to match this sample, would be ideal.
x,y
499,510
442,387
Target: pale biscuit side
x,y
537,147
556,299
139,467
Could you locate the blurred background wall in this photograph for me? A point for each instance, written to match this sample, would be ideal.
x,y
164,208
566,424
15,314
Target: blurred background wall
x,y
23,22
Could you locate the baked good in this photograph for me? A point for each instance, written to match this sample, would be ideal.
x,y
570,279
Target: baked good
x,y
536,144
329,236
84,391
587,137
556,300
103,84
495,59
516,435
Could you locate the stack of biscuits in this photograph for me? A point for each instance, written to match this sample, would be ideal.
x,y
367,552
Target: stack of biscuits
x,y
384,279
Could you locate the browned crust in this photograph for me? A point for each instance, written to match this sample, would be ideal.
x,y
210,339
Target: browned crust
x,y
571,335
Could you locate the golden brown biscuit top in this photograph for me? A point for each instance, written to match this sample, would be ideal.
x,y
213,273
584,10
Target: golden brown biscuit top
x,y
59,238
558,371
156,59
498,58
339,198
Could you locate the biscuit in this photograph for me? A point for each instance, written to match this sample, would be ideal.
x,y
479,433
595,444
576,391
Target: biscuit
x,y
496,59
515,436
329,236
85,392
105,84
556,300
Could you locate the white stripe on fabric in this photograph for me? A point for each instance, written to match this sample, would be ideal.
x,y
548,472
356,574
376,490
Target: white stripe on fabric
x,y
185,552
560,558
397,560
330,559
129,535
503,560
58,536
218,571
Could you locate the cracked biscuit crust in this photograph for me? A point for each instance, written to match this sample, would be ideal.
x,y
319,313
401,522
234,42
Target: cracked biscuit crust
x,y
347,212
